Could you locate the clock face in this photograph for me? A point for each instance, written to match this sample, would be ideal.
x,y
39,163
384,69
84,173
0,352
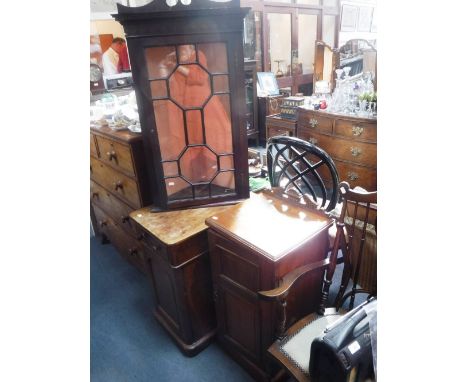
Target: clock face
x,y
95,73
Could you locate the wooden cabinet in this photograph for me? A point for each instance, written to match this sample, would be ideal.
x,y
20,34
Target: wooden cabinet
x,y
118,186
251,116
188,69
267,106
175,245
351,142
276,125
246,259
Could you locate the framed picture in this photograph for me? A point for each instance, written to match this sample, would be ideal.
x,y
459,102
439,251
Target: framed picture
x,y
349,18
267,84
365,19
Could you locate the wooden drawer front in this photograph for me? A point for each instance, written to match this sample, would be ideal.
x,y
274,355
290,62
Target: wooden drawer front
x,y
93,147
126,245
116,209
345,149
357,175
356,130
116,182
151,245
116,153
309,120
274,131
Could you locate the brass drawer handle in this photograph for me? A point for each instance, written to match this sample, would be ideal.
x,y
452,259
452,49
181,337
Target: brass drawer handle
x,y
355,151
313,140
313,123
357,130
118,185
95,195
352,175
111,155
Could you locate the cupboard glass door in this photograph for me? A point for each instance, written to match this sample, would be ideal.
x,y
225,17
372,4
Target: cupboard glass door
x,y
191,101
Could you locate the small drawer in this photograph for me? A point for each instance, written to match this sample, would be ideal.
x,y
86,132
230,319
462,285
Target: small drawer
x,y
357,175
126,245
116,154
93,147
151,245
275,131
356,130
116,182
117,210
314,121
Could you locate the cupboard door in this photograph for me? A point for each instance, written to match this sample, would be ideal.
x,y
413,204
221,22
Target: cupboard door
x,y
191,95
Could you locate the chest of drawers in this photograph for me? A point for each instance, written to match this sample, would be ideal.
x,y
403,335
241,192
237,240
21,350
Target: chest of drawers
x,y
276,125
118,186
246,259
175,245
350,141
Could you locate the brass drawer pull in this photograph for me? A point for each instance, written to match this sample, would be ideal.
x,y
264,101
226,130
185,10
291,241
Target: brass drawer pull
x,y
95,195
357,130
313,140
352,175
111,155
355,151
118,185
313,123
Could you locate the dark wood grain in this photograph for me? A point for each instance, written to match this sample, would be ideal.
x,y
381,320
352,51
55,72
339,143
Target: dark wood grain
x,y
246,260
351,141
201,22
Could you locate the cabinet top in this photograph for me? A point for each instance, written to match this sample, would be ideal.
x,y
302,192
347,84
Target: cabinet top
x,y
122,135
303,109
269,224
172,227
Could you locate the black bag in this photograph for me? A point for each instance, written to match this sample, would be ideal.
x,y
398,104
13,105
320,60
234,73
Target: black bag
x,y
344,351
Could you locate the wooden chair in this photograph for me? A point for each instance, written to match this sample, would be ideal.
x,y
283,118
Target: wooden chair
x,y
357,238
301,167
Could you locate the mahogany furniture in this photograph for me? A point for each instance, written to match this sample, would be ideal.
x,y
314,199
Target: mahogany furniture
x,y
119,185
188,70
175,246
350,141
357,238
303,167
276,125
267,106
251,116
246,259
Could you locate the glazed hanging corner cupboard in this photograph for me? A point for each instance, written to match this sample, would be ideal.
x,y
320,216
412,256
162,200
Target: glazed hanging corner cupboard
x,y
187,66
